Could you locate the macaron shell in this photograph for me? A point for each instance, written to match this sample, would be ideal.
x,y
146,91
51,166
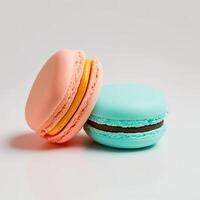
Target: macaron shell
x,y
57,81
84,110
127,123
125,140
136,102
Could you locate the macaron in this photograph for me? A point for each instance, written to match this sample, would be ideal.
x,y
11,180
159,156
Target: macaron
x,y
127,116
63,95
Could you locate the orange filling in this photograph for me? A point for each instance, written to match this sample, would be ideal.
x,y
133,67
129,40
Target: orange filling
x,y
77,100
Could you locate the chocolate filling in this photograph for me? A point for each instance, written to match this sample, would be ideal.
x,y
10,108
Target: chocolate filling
x,y
107,128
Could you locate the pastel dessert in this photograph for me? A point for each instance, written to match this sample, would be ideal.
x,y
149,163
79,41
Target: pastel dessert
x,y
63,95
127,116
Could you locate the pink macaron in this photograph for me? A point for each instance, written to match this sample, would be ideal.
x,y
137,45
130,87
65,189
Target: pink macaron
x,y
63,95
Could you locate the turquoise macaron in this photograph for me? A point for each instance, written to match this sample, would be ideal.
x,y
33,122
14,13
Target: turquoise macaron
x,y
127,116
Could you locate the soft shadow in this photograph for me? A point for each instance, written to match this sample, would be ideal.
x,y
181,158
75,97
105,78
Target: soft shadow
x,y
29,141
32,142
97,147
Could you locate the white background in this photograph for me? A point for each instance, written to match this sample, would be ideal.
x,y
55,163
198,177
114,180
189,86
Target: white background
x,y
149,41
